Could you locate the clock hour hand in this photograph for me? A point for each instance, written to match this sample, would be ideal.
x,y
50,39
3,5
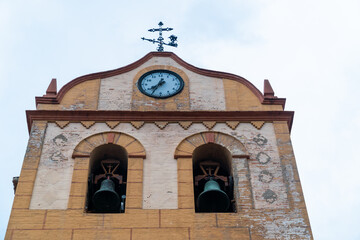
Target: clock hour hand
x,y
160,83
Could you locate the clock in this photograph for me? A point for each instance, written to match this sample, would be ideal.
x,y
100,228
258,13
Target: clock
x,y
160,84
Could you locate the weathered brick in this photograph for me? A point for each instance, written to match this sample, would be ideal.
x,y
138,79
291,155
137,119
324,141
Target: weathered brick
x,y
220,233
72,219
76,202
31,162
134,176
186,147
24,188
185,176
80,175
133,218
185,189
281,127
134,202
124,140
186,218
83,96
134,147
27,175
160,233
186,202
134,189
78,189
21,201
97,140
239,98
135,163
81,163
111,234
42,234
231,220
26,219
84,148
185,163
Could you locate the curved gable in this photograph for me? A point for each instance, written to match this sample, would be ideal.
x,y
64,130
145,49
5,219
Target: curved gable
x,y
236,89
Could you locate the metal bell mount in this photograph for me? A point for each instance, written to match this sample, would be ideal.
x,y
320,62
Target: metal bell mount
x,y
212,198
106,199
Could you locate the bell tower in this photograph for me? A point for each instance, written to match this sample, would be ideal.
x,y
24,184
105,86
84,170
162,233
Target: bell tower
x,y
159,149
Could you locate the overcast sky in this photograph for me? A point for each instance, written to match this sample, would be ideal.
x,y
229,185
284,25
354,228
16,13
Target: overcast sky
x,y
309,50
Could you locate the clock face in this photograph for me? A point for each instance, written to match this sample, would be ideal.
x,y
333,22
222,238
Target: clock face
x,y
160,84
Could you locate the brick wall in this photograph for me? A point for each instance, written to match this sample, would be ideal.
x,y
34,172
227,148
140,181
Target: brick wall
x,y
256,215
50,198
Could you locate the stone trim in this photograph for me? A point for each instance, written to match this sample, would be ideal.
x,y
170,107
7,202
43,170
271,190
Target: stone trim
x,y
133,147
62,124
112,124
258,124
187,146
138,118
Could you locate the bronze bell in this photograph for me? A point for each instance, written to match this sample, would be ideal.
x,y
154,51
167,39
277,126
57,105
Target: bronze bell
x,y
213,199
106,199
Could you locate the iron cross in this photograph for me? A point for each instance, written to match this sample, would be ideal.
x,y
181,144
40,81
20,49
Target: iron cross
x,y
160,39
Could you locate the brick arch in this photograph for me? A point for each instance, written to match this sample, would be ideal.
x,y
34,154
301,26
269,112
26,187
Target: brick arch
x,y
132,146
189,144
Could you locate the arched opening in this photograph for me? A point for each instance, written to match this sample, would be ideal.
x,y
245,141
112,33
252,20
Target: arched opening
x,y
107,179
213,180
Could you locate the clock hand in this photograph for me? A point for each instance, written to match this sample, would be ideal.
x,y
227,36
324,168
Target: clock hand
x,y
152,87
154,90
160,83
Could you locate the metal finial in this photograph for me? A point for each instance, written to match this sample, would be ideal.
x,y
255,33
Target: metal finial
x,y
160,39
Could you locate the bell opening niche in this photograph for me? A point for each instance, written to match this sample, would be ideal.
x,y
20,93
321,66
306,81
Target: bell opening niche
x,y
213,180
107,180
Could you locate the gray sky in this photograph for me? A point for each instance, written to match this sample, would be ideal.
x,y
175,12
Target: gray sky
x,y
309,50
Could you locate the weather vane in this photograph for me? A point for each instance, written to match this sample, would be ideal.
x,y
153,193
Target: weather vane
x,y
160,39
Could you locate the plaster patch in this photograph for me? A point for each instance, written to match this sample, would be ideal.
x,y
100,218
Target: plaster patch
x,y
115,92
206,93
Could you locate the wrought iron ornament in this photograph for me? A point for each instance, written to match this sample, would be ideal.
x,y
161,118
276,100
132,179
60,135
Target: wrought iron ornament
x,y
160,39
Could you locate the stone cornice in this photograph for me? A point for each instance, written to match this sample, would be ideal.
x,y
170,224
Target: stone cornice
x,y
157,116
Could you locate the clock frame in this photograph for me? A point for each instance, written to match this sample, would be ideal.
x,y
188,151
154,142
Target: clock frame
x,y
160,84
